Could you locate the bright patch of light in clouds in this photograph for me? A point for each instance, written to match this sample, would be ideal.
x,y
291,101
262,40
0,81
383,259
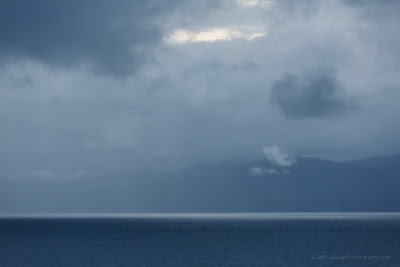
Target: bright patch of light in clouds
x,y
212,35
255,3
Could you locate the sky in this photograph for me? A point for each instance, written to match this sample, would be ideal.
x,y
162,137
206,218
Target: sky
x,y
89,86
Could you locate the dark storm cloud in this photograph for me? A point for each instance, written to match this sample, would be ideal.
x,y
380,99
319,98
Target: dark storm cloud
x,y
113,36
313,96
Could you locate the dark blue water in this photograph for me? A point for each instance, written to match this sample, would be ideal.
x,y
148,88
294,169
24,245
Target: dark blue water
x,y
159,240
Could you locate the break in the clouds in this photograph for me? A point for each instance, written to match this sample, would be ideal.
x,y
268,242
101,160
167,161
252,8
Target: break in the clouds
x,y
211,35
319,94
109,36
255,3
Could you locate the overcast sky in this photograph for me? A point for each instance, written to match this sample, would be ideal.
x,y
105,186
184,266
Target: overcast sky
x,y
92,85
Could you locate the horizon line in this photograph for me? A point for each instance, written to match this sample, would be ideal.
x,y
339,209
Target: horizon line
x,y
206,215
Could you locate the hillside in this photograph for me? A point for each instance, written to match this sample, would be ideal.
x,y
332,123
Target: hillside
x,y
310,185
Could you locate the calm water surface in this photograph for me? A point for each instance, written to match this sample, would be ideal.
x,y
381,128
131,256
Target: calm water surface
x,y
201,239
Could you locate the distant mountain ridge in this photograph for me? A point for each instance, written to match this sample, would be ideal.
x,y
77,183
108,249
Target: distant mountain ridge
x,y
309,185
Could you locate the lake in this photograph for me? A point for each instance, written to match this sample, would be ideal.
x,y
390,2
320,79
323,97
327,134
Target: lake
x,y
270,239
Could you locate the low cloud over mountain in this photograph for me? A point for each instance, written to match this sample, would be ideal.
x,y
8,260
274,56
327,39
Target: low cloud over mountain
x,y
310,185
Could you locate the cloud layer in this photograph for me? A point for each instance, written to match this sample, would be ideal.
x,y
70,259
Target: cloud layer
x,y
112,37
94,86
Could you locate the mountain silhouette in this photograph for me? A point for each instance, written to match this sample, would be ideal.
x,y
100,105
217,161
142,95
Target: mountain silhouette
x,y
309,185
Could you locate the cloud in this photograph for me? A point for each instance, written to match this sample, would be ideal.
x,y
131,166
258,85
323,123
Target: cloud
x,y
112,37
211,35
318,95
259,171
46,174
276,156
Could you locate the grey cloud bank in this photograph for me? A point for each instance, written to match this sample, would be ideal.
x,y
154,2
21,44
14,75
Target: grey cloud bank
x,y
112,37
91,87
